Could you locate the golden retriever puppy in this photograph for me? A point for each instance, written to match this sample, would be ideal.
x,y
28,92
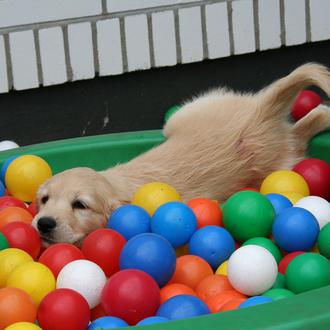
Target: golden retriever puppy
x,y
216,144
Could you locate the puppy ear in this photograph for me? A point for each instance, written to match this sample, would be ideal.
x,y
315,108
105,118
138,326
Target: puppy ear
x,y
277,98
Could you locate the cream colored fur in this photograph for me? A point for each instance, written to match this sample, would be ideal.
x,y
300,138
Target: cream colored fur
x,y
216,144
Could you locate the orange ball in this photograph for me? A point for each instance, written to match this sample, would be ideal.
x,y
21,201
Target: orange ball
x,y
170,290
190,270
212,285
231,304
14,214
97,312
207,212
216,302
16,306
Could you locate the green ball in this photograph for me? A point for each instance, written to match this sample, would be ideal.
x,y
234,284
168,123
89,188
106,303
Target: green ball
x,y
267,244
248,214
3,242
170,112
323,241
280,282
277,294
307,271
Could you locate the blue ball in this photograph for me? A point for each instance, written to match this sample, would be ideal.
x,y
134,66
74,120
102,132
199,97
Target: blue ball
x,y
130,220
152,254
182,306
295,229
2,189
279,202
152,320
212,243
256,300
175,221
5,166
107,322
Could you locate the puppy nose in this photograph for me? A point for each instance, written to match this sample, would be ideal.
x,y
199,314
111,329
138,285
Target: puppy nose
x,y
46,224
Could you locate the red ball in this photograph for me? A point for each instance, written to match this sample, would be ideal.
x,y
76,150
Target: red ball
x,y
8,201
64,309
58,255
23,236
305,102
32,208
283,264
131,295
316,172
103,246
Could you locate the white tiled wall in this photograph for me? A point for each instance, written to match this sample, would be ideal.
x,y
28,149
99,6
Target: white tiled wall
x,y
47,42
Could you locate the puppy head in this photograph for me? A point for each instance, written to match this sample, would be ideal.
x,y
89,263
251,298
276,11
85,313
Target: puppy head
x,y
72,204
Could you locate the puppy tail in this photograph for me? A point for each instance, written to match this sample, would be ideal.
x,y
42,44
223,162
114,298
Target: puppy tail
x,y
277,98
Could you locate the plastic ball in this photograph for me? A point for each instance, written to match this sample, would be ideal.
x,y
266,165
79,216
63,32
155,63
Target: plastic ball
x,y
131,295
171,290
175,221
58,255
283,181
24,176
282,266
295,229
279,282
293,197
152,195
279,202
222,269
252,270
216,302
248,214
213,244
104,246
323,241
3,242
305,102
181,307
212,285
152,254
253,301
190,270
107,322
2,189
129,221
4,167
152,320
231,304
14,214
23,326
316,172
16,306
7,145
307,271
277,294
318,206
85,277
8,201
171,111
9,260
23,236
267,244
63,309
207,212
34,278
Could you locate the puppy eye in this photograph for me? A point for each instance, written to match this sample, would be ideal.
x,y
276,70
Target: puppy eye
x,y
79,205
44,199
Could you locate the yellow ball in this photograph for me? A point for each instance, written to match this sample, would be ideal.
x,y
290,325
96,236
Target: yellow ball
x,y
9,260
292,196
152,195
284,181
222,269
24,176
34,278
23,326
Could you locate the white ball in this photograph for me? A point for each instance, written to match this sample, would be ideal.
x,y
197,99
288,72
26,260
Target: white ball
x,y
318,206
252,270
6,145
85,277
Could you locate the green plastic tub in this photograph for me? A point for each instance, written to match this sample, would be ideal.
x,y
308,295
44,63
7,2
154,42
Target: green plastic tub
x,y
310,310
